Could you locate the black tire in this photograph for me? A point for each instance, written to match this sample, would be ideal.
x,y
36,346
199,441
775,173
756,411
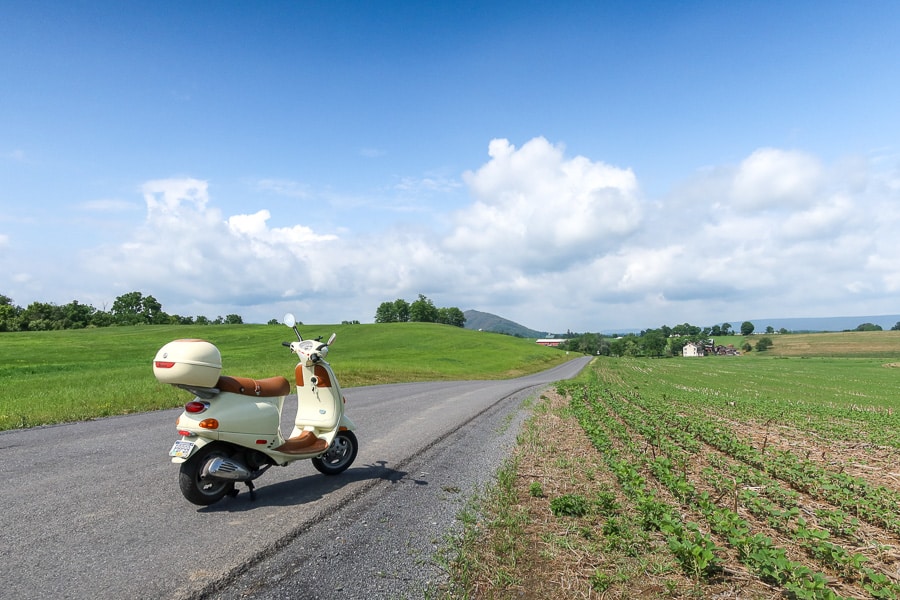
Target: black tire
x,y
200,490
339,456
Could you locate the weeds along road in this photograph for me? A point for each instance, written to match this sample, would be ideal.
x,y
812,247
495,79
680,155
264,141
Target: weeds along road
x,y
93,510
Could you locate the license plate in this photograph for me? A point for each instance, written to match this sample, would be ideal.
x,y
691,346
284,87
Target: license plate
x,y
181,449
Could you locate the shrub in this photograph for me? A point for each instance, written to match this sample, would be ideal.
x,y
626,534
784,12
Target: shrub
x,y
764,344
569,505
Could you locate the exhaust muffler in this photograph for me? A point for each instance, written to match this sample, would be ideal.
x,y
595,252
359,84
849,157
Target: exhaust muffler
x,y
226,468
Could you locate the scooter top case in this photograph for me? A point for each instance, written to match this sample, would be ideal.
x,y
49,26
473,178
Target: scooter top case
x,y
189,362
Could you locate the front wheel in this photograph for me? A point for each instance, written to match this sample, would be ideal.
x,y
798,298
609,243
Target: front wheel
x,y
340,454
198,489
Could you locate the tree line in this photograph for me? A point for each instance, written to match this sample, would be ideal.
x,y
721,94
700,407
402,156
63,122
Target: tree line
x,y
662,341
670,341
421,310
132,308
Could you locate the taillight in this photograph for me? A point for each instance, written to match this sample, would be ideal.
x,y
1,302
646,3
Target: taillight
x,y
164,364
195,407
185,432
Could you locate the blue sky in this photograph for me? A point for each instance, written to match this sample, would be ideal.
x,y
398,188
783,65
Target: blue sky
x,y
567,165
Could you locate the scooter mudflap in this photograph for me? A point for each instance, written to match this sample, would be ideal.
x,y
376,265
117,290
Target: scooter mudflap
x,y
181,449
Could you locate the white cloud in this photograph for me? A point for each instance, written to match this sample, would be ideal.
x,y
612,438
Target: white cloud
x,y
166,196
187,250
828,217
536,209
772,178
553,241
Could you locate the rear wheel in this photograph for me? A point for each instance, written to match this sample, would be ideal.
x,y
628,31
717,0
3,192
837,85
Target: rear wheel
x,y
340,454
202,490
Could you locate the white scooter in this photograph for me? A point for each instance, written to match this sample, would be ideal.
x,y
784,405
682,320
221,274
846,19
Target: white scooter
x,y
231,430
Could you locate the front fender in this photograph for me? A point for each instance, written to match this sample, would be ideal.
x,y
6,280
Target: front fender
x,y
346,423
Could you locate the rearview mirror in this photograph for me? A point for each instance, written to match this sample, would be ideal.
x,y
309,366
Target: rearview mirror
x,y
289,320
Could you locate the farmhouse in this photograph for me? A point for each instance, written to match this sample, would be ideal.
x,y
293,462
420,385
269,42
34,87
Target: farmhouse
x,y
552,342
693,349
721,350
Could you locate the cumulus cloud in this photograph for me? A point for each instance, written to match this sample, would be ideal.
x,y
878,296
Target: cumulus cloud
x,y
536,209
187,250
551,240
774,178
782,234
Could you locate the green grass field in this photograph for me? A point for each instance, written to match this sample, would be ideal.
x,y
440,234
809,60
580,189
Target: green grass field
x,y
768,475
58,376
842,398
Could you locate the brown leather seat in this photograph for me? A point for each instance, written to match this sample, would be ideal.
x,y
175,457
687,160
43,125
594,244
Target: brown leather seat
x,y
271,386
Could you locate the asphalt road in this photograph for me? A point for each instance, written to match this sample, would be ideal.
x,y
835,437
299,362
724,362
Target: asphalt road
x,y
93,510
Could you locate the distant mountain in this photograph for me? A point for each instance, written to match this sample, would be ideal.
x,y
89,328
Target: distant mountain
x,y
819,323
487,322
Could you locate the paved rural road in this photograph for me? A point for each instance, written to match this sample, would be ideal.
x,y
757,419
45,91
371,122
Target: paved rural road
x,y
93,510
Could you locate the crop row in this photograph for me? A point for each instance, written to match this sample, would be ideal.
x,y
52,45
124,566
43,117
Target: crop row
x,y
875,504
762,496
694,550
839,399
663,445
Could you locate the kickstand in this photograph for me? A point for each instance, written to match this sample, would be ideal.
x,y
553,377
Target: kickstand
x,y
250,488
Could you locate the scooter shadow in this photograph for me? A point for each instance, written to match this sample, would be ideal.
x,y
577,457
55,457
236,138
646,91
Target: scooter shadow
x,y
306,489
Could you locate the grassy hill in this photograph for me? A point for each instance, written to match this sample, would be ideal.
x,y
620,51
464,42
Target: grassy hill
x,y
56,376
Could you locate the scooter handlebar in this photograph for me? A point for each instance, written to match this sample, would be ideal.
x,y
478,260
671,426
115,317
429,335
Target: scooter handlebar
x,y
286,344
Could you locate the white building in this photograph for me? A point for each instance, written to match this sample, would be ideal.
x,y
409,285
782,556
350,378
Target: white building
x,y
692,349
